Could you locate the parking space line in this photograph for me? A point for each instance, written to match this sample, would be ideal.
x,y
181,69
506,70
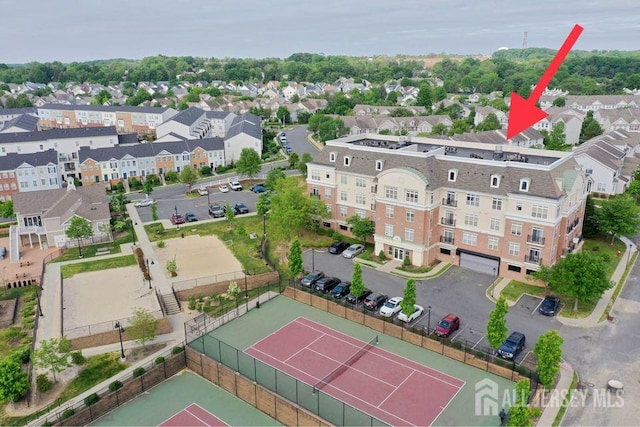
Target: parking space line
x,y
476,344
537,306
453,338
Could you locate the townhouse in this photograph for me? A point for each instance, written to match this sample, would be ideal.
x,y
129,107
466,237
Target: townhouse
x,y
28,172
572,120
8,114
586,103
495,209
412,125
483,112
244,132
529,138
126,119
627,119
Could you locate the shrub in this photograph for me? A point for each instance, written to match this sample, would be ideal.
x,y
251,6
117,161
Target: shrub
x,y
161,244
42,383
28,324
91,399
22,354
177,350
171,176
47,423
67,413
135,183
116,385
138,371
406,262
382,255
205,171
479,355
119,187
77,358
499,362
154,213
12,333
192,303
159,360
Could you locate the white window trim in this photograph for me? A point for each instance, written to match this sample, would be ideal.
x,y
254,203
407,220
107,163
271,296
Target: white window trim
x,y
452,175
495,178
525,184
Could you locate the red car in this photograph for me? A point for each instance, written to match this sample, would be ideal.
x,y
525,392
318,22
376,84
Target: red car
x,y
177,219
448,325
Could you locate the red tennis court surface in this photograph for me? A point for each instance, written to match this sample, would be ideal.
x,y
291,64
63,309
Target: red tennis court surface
x,y
384,385
192,416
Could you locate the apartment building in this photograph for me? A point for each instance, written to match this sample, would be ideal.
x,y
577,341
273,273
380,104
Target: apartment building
x,y
498,210
28,172
126,119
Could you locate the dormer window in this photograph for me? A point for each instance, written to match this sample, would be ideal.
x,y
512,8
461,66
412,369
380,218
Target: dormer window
x,y
347,160
495,181
379,165
332,157
453,175
524,184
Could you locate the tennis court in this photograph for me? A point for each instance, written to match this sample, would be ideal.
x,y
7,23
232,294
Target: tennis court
x,y
193,415
389,387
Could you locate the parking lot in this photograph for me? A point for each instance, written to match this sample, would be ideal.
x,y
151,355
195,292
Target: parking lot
x,y
458,291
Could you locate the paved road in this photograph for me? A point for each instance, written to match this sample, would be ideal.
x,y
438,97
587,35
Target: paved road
x,y
297,140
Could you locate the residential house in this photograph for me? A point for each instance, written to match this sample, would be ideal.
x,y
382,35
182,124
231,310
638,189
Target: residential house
x,y
385,110
572,120
433,201
483,112
593,102
627,119
28,172
529,138
191,123
21,123
8,114
245,132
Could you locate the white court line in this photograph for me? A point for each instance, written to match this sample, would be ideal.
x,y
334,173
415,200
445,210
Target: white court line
x,y
197,417
303,348
399,385
275,332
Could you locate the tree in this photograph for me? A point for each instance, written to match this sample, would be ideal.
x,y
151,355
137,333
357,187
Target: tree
x,y
357,284
147,188
581,276
497,324
263,204
491,122
548,350
295,259
440,93
79,228
13,381
362,227
556,139
249,163
439,129
53,354
519,413
6,210
283,114
559,102
302,163
273,176
459,126
143,325
619,216
292,209
189,175
294,158
409,298
229,214
590,128
303,117
234,291
591,226
425,96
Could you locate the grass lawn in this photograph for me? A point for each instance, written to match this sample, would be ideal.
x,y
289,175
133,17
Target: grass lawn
x,y
10,339
90,251
218,308
71,270
98,368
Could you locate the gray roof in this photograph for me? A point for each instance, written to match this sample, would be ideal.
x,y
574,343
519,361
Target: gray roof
x,y
14,111
217,114
12,161
89,202
128,138
148,149
246,123
109,108
23,121
57,134
188,116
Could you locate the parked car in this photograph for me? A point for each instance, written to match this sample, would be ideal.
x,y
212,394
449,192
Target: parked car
x,y
338,247
288,149
203,191
550,305
223,189
216,211
310,279
374,301
144,203
235,186
353,251
326,284
177,219
259,188
3,252
191,217
353,300
341,290
448,325
240,208
418,310
512,346
391,307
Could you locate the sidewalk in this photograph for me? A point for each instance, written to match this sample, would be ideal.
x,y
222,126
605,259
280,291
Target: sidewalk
x,y
391,267
551,412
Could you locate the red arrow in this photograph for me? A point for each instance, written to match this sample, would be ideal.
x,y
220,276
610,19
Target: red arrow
x,y
523,112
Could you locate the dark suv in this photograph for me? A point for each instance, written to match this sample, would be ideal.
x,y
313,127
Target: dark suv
x,y
351,299
338,247
216,211
375,301
512,346
341,290
310,279
326,284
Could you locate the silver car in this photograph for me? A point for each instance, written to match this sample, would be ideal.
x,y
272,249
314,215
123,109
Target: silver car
x,y
353,251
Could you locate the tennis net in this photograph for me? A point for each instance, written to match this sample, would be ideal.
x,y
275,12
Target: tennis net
x,y
345,365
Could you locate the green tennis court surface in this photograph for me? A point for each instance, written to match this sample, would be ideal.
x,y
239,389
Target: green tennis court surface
x,y
170,398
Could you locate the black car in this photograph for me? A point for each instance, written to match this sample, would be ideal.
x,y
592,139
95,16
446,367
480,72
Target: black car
x,y
191,217
512,346
216,211
342,289
549,305
374,301
338,247
240,208
351,299
326,284
310,279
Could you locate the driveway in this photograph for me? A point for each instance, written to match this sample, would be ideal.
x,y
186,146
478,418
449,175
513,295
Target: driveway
x,y
297,140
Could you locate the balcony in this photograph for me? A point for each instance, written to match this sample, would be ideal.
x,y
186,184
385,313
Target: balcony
x,y
536,240
448,221
450,202
533,259
573,225
447,239
316,195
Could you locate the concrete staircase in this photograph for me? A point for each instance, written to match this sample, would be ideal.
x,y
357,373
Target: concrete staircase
x,y
170,304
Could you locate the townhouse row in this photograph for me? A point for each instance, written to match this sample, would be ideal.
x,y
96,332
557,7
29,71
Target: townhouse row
x,y
499,210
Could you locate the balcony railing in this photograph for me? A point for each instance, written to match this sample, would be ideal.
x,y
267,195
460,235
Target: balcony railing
x,y
573,225
448,221
446,239
537,259
538,240
450,202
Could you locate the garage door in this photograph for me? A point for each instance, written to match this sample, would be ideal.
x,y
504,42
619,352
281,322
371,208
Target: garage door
x,y
478,263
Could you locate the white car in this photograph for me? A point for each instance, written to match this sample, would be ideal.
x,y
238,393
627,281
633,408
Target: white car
x,y
144,203
235,186
223,189
353,251
408,319
391,307
203,191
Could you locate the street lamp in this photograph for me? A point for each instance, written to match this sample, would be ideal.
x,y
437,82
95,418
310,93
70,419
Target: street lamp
x,y
38,299
133,232
313,259
120,331
148,274
428,320
264,225
494,281
246,291
629,253
175,208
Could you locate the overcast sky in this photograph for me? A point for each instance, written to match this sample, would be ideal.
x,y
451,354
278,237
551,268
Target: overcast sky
x,y
80,30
